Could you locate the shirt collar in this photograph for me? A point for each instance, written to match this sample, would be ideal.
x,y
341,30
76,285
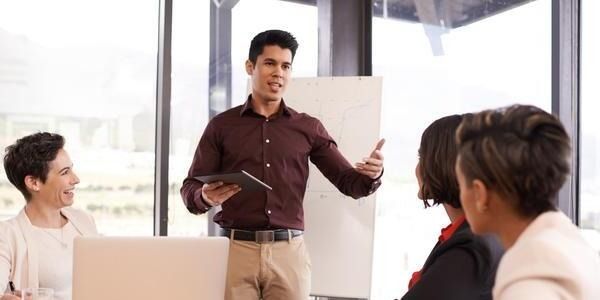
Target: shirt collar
x,y
449,230
283,109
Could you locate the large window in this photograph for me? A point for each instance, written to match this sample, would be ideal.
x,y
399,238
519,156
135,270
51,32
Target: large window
x,y
590,124
437,61
90,76
189,106
252,17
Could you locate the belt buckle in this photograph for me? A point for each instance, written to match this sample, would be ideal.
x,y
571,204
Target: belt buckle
x,y
264,236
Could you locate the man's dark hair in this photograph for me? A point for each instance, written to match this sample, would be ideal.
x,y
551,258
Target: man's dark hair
x,y
31,156
281,38
521,152
437,157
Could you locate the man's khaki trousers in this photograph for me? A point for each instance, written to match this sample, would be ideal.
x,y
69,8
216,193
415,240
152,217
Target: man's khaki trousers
x,y
269,271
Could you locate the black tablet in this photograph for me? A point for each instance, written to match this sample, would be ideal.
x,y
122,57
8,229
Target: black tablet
x,y
241,178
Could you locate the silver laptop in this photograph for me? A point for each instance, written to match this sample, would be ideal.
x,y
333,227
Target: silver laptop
x,y
149,268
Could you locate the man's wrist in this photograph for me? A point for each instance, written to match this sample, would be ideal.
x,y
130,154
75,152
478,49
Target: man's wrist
x,y
207,203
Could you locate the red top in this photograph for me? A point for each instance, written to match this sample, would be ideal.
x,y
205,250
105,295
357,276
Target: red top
x,y
449,230
446,233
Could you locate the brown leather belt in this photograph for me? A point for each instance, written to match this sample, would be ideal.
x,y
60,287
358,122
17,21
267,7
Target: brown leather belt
x,y
261,236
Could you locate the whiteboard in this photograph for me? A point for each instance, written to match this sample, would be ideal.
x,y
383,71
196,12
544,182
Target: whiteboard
x,y
339,229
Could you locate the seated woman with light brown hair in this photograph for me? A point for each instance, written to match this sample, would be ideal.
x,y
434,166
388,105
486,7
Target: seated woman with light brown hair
x,y
511,164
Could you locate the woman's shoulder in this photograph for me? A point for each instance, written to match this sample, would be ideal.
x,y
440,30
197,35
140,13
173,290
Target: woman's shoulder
x,y
76,212
488,245
7,226
484,251
81,219
566,252
11,224
552,260
10,230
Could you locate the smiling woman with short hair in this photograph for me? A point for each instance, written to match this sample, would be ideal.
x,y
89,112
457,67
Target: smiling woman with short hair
x,y
36,246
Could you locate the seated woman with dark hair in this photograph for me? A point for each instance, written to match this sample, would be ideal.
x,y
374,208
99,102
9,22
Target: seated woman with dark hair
x,y
461,265
36,246
511,164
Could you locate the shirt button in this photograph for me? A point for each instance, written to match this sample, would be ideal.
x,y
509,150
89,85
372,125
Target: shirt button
x,y
269,211
268,165
267,120
267,141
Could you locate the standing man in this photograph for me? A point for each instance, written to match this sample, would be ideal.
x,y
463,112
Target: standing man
x,y
267,256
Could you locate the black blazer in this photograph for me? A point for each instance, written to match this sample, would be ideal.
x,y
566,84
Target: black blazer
x,y
461,268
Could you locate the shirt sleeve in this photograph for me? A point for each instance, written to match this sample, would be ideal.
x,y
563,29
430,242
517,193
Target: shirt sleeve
x,y
334,166
207,160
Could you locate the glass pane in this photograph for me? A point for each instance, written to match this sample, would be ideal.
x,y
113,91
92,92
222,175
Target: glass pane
x,y
93,81
590,124
464,59
298,19
189,105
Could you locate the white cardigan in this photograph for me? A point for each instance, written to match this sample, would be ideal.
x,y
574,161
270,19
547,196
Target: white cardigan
x,y
549,260
19,251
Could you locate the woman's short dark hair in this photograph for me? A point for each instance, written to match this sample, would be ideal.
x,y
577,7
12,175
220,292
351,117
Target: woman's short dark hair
x,y
281,38
437,158
31,156
521,152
